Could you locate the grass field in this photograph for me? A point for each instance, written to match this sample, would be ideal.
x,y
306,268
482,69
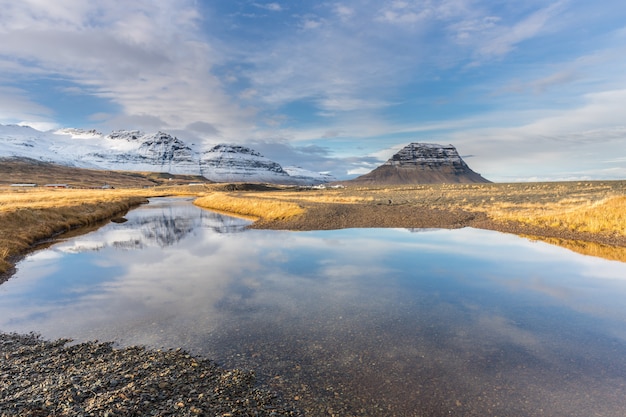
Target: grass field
x,y
594,207
589,208
255,207
590,214
30,216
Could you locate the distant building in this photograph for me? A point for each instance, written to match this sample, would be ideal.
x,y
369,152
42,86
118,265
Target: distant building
x,y
57,186
24,185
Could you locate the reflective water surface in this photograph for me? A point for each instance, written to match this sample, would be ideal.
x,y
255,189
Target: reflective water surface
x,y
348,322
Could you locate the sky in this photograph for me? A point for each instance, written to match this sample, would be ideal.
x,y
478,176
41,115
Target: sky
x,y
525,90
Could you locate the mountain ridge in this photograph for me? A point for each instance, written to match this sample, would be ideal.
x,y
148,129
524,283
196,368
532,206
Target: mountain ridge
x,y
133,150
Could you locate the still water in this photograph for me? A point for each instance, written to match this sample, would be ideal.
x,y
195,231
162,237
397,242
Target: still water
x,y
347,322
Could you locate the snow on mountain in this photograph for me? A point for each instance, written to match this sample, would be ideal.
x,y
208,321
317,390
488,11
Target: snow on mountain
x,y
428,154
422,163
306,175
26,142
227,163
137,151
132,150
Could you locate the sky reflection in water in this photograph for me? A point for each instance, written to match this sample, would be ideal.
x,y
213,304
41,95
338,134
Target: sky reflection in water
x,y
368,321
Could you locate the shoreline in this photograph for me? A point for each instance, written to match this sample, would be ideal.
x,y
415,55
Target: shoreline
x,y
329,216
295,208
40,378
38,234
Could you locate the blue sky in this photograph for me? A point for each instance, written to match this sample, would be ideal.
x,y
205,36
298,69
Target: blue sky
x,y
532,90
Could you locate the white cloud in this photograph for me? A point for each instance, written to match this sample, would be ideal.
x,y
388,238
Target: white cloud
x,y
347,104
582,142
503,38
16,107
332,72
343,12
411,12
602,110
466,29
274,7
148,59
543,84
359,170
309,24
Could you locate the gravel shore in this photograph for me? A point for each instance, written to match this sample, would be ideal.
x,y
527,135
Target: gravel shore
x,y
56,378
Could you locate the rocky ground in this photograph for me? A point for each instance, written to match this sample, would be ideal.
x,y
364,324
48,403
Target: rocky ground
x,y
44,378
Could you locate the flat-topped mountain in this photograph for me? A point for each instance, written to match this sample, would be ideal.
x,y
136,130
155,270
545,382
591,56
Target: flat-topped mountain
x,y
423,163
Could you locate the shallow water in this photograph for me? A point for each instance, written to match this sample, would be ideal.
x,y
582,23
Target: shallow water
x,y
347,322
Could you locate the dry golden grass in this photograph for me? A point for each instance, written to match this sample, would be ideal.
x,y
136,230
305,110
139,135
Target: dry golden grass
x,y
607,216
317,196
23,227
27,217
39,198
593,207
250,206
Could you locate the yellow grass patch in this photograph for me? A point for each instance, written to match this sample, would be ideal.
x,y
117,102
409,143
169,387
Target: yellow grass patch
x,y
331,196
30,215
607,216
27,217
256,207
23,227
45,198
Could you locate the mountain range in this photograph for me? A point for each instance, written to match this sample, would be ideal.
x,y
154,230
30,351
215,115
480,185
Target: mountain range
x,y
132,150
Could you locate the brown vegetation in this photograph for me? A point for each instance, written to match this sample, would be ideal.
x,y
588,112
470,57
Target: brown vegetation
x,y
592,207
27,217
588,217
251,206
24,170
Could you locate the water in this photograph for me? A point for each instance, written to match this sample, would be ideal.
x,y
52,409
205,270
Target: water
x,y
347,322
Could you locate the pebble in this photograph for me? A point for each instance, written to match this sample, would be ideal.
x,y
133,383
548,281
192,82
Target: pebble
x,y
46,378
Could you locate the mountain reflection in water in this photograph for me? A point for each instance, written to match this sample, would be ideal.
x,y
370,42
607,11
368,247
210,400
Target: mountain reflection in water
x,y
167,222
349,322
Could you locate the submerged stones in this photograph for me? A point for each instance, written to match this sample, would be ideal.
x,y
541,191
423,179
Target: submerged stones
x,y
40,378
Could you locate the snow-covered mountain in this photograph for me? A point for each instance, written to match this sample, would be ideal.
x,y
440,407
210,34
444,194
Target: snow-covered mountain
x,y
305,175
422,163
228,163
131,150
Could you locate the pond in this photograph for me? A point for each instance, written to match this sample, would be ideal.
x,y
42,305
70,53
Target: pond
x,y
346,322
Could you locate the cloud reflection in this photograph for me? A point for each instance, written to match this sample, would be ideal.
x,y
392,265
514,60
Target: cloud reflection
x,y
467,310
